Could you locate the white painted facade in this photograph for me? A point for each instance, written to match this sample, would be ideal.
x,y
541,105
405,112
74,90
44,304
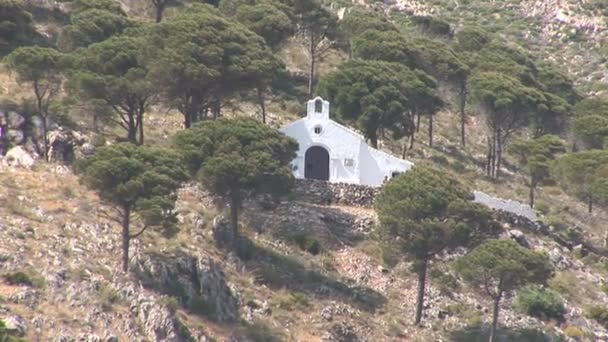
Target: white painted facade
x,y
351,160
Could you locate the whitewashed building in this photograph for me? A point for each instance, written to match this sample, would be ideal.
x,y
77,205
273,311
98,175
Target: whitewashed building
x,y
330,151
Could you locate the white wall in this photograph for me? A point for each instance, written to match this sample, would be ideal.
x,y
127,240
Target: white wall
x,y
370,166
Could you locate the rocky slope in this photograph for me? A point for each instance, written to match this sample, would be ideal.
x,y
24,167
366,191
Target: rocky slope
x,y
184,287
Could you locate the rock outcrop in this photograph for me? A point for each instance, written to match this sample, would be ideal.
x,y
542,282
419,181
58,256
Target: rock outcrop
x,y
192,279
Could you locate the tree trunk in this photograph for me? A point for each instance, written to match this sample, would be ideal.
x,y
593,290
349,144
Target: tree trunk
x,y
590,204
125,238
417,122
430,130
498,157
132,129
421,284
187,120
412,139
140,124
463,114
39,99
45,139
311,72
159,12
490,142
234,222
532,186
262,103
495,317
403,149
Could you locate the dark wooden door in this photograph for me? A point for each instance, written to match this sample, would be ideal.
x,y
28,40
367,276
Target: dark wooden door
x,y
317,163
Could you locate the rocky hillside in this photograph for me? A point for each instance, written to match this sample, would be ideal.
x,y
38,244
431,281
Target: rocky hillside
x,y
311,272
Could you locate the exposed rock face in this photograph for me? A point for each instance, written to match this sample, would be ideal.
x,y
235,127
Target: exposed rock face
x,y
188,278
17,130
158,322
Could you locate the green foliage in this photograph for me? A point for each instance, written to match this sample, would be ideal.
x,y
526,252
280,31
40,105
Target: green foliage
x,y
428,210
6,335
199,58
590,124
360,20
319,26
28,277
444,281
41,69
18,278
199,306
432,25
505,264
499,266
143,179
583,174
139,181
539,302
592,130
268,20
599,314
379,95
107,297
574,332
424,212
472,38
16,25
536,156
91,26
112,74
237,159
290,301
36,64
307,243
79,6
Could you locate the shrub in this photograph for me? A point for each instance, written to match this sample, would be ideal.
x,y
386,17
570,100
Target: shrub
x,y
539,302
107,297
598,314
199,306
445,281
573,332
24,278
307,243
289,301
170,302
542,207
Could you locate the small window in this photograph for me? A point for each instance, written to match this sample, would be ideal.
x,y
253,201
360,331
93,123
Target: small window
x,y
395,174
318,106
318,130
349,162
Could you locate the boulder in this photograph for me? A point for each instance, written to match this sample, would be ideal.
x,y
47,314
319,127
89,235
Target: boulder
x,y
19,156
519,237
61,146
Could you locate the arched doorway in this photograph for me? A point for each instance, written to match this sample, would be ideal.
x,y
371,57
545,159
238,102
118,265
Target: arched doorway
x,y
316,163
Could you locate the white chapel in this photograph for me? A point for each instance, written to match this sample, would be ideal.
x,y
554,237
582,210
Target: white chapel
x,y
332,152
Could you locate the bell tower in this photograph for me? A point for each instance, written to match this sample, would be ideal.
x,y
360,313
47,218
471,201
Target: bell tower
x,y
317,108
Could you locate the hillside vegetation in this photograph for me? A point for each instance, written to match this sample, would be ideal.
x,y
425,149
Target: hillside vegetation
x,y
146,195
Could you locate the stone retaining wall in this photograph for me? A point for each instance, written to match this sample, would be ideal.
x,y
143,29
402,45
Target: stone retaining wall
x,y
320,192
